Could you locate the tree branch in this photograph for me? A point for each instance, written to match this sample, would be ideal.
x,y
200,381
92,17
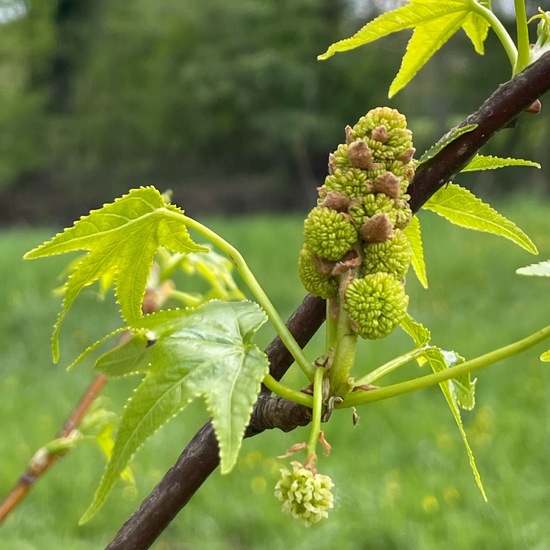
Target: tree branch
x,y
200,457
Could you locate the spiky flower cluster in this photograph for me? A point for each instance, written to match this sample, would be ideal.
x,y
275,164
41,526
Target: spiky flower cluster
x,y
304,494
354,243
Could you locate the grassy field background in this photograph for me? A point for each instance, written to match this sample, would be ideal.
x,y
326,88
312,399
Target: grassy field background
x,y
402,476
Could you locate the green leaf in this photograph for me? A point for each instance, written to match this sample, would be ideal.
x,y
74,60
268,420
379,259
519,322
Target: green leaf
x,y
433,21
476,29
417,331
541,269
437,360
449,137
545,356
463,208
413,233
487,162
121,239
206,351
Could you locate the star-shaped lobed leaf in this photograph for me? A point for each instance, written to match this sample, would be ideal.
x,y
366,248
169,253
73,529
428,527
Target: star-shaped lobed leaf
x,y
463,208
433,21
206,351
121,239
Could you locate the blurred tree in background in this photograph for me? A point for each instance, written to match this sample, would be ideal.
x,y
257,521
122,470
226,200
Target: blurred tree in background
x,y
224,102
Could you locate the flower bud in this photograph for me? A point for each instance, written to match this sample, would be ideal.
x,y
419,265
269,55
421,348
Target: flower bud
x,y
305,495
376,304
329,234
392,256
315,282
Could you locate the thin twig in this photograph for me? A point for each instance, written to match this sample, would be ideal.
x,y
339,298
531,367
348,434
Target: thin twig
x,y
200,458
43,459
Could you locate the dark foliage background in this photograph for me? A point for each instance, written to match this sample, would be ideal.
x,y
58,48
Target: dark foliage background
x,y
223,102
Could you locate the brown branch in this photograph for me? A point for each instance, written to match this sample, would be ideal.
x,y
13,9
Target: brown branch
x,y
200,457
44,459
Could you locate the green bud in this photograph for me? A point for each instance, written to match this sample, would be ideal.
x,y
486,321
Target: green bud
x,y
352,182
313,281
372,204
385,132
329,234
305,495
392,256
376,304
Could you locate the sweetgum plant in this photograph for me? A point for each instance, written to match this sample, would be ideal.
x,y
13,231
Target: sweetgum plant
x,y
360,240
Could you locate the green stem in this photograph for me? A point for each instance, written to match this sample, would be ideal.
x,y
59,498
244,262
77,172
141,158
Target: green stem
x,y
316,413
344,356
364,397
523,37
258,292
499,29
390,366
288,393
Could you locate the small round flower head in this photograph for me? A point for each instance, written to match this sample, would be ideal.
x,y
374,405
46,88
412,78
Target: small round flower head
x,y
329,234
376,304
313,281
392,256
352,183
385,132
305,495
372,204
339,159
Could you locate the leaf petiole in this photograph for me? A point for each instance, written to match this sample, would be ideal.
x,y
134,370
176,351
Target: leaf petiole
x,y
235,256
499,29
317,412
364,397
288,393
522,36
390,366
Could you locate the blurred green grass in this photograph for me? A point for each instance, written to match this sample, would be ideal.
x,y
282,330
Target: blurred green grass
x,y
402,477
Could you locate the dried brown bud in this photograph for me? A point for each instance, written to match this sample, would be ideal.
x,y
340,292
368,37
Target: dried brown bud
x,y
534,108
331,164
349,261
360,155
336,200
349,131
377,229
388,184
406,157
380,133
323,267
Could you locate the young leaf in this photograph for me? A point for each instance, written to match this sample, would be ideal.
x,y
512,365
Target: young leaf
x,y
449,137
488,162
542,269
463,208
433,21
437,361
121,239
412,231
206,351
545,356
417,331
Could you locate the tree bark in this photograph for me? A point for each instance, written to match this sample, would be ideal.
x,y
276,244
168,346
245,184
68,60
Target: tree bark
x,y
200,457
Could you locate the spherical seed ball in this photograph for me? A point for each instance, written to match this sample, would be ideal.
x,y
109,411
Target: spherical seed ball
x,y
305,495
376,304
352,183
313,281
392,256
329,234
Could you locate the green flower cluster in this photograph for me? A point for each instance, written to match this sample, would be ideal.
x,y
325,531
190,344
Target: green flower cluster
x,y
304,495
354,245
